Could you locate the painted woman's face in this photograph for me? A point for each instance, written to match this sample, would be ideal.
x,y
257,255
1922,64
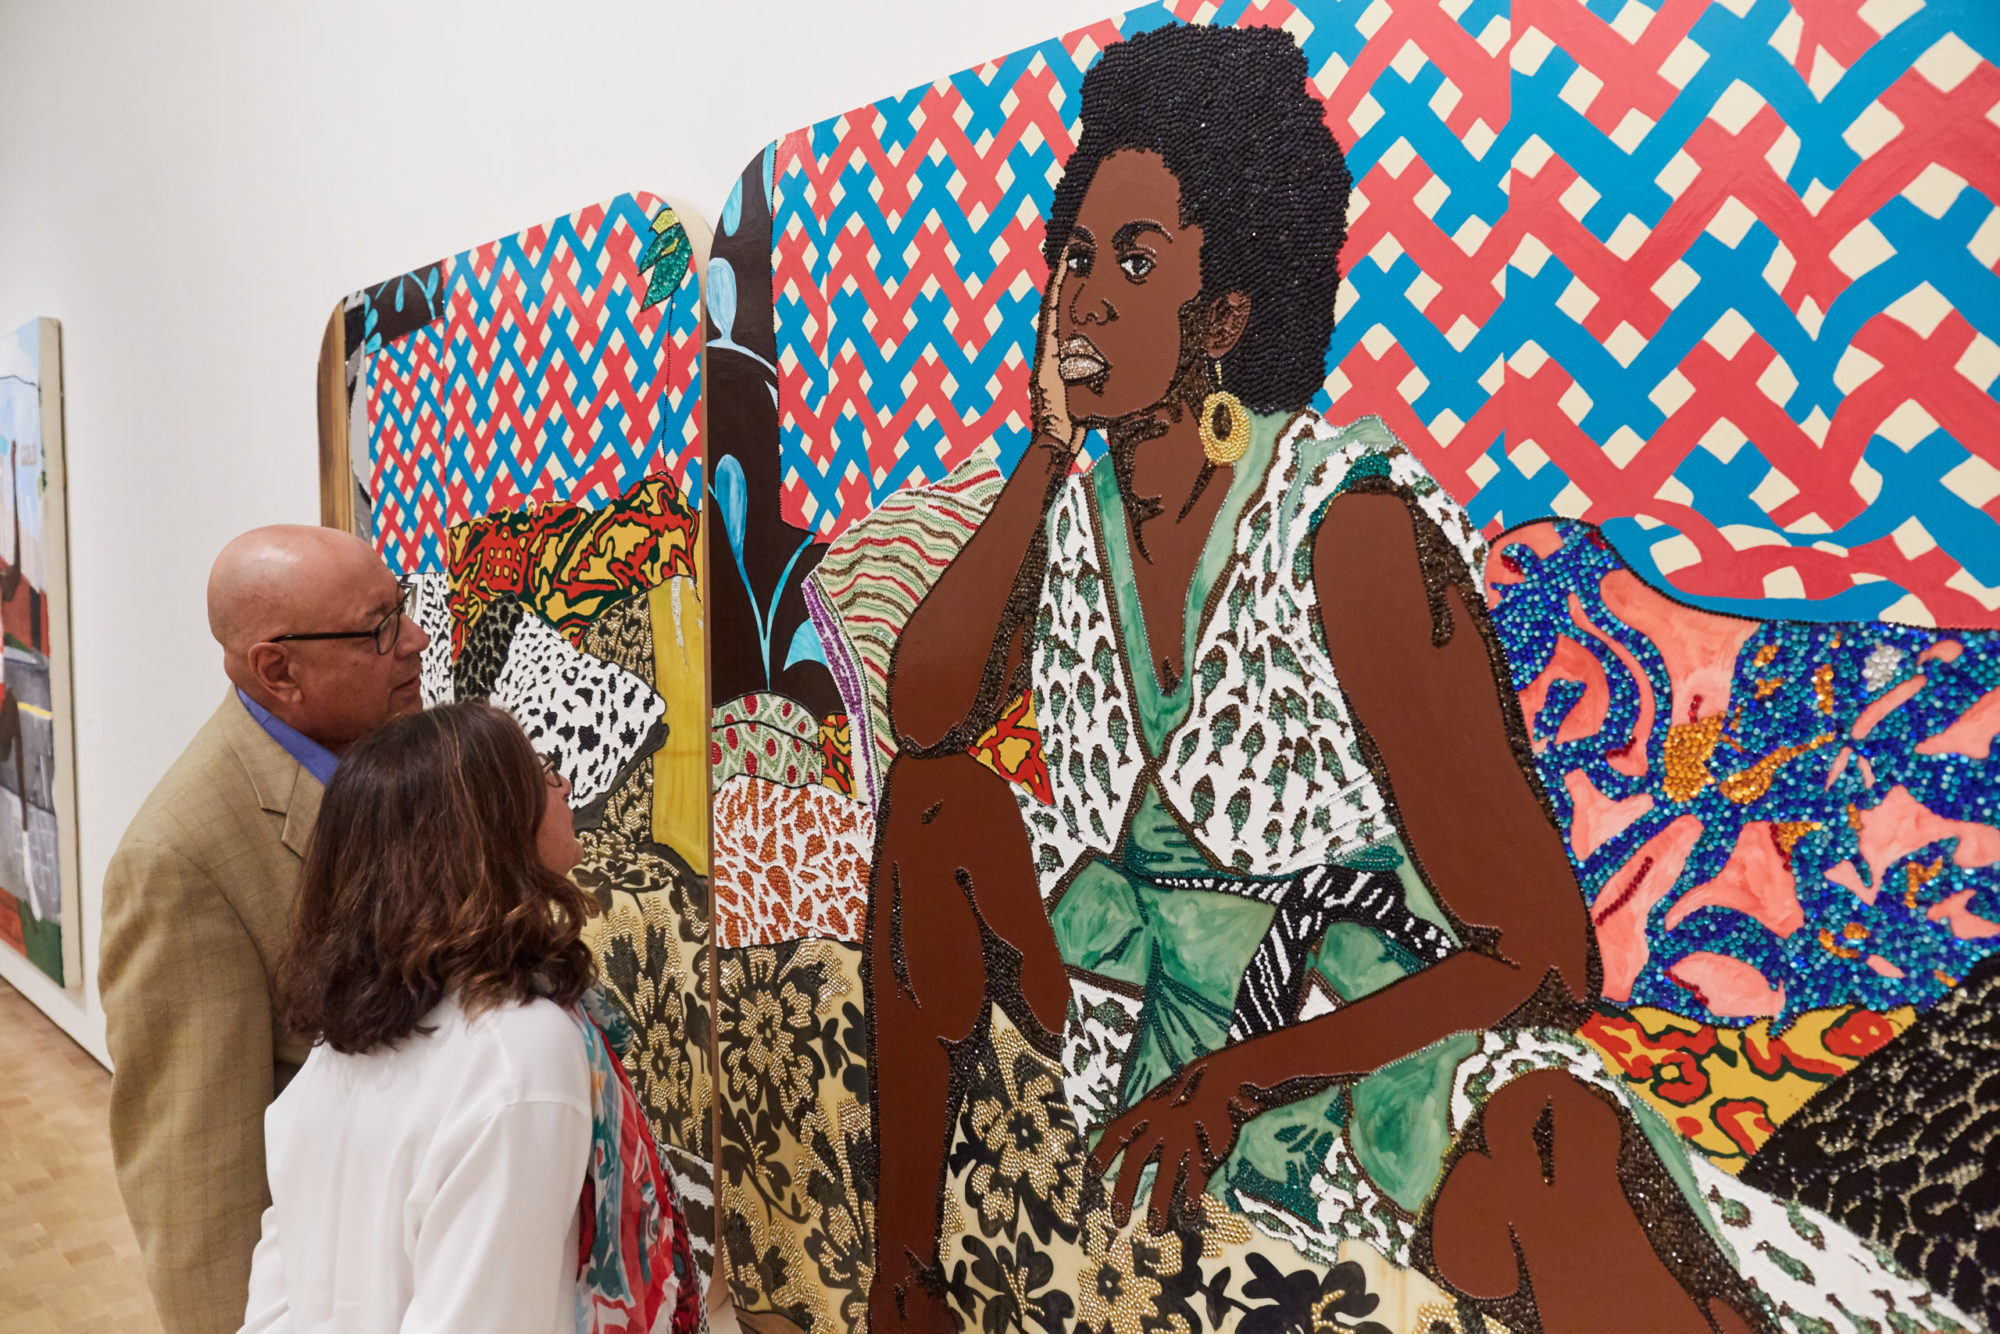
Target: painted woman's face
x,y
1131,269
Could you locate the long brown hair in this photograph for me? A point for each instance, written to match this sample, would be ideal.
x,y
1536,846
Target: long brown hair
x,y
422,881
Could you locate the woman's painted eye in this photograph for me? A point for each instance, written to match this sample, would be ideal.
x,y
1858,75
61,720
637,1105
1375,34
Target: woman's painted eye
x,y
1079,261
1136,265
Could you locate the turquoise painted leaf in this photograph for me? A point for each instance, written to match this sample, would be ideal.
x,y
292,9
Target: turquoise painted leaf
x,y
806,646
732,209
732,502
722,297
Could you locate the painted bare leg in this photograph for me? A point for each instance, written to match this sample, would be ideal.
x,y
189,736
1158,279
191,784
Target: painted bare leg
x,y
952,905
1541,1213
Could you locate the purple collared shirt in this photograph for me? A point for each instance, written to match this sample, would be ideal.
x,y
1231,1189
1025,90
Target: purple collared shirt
x,y
317,759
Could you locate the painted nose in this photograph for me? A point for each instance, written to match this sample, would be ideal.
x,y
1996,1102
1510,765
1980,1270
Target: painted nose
x,y
1087,309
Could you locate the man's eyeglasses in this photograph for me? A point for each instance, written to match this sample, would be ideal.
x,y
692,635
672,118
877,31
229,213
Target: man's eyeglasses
x,y
385,633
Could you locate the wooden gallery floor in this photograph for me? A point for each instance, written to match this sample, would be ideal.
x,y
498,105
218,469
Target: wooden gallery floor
x,y
67,1258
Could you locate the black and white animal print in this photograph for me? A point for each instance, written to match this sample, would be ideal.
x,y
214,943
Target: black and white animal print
x,y
594,718
430,607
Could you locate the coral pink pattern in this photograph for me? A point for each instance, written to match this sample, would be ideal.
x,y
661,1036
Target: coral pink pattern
x,y
791,863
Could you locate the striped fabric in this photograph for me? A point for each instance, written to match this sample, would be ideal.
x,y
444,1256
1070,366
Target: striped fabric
x,y
874,576
1307,904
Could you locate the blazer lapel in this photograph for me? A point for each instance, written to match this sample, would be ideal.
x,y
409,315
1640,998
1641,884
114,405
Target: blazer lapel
x,y
282,784
303,812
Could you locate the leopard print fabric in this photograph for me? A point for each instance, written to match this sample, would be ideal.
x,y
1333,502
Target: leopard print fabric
x,y
483,654
1265,772
1897,1150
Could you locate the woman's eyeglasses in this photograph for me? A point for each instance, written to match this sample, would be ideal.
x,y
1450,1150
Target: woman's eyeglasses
x,y
551,769
385,633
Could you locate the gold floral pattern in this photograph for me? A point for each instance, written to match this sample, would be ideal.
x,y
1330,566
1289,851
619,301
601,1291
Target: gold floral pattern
x,y
642,958
1051,1260
770,1030
797,1157
1029,1241
838,1167
1021,1141
767,1265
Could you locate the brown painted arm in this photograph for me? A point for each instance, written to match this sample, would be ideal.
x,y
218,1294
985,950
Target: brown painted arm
x,y
1437,715
1441,713
942,656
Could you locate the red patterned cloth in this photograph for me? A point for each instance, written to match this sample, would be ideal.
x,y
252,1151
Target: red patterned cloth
x,y
635,1266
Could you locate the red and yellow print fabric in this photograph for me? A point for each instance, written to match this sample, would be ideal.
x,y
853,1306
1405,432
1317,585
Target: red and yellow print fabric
x,y
568,563
1012,748
1727,1089
836,748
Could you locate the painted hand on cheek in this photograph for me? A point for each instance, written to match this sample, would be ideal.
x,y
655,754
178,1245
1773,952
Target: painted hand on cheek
x,y
1049,393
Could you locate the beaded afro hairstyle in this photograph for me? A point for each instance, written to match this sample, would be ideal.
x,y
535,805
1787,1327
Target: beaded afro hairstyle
x,y
1228,110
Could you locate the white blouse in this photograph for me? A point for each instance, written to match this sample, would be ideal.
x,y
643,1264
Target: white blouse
x,y
432,1188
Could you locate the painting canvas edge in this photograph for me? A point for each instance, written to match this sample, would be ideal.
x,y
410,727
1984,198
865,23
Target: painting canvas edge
x,y
55,540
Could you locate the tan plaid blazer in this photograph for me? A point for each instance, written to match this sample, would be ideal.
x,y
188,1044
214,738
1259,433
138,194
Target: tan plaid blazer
x,y
197,901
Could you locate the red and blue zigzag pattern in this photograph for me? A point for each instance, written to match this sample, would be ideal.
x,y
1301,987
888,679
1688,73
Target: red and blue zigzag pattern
x,y
545,381
1720,277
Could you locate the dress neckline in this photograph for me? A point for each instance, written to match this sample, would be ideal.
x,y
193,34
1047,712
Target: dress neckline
x,y
1160,710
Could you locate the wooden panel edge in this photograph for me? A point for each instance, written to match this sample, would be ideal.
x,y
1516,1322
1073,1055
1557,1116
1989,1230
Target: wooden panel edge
x,y
336,491
62,660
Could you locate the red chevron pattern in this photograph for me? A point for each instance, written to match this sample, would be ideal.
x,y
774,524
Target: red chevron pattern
x,y
814,271
546,381
1804,293
1408,327
1593,270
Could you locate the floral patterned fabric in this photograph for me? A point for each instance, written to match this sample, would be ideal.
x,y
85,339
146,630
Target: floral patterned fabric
x,y
796,1161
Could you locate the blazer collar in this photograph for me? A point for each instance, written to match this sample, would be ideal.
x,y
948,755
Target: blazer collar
x,y
281,783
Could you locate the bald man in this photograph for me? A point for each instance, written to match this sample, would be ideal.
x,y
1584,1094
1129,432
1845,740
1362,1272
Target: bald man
x,y
199,896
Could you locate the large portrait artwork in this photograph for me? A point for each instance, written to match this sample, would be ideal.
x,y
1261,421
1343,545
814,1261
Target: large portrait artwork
x,y
1354,654
518,430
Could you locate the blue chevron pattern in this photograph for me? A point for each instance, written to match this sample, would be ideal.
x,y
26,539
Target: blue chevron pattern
x,y
547,380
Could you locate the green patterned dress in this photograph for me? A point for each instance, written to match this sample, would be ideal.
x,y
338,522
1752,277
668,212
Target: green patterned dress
x,y
1188,822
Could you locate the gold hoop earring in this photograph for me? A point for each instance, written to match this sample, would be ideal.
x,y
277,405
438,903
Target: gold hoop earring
x,y
1225,425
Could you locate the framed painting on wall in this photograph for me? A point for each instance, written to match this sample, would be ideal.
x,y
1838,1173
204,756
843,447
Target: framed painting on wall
x,y
39,913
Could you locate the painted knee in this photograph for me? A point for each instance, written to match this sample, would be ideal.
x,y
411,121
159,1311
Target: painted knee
x,y
1471,1243
1549,1144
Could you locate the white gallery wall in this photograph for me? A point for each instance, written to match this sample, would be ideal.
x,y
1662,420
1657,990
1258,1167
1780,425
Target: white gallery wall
x,y
188,187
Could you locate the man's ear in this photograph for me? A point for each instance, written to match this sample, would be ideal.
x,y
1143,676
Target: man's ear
x,y
271,668
1228,317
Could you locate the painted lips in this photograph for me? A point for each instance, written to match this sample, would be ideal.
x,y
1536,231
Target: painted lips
x,y
1078,359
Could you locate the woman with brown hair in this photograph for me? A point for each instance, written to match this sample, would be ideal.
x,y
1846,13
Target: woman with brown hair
x,y
461,1150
